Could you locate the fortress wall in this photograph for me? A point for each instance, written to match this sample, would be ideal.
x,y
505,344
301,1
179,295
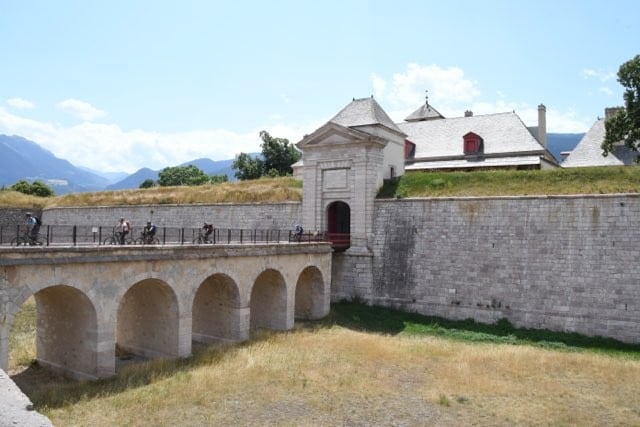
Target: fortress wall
x,y
569,263
281,216
12,216
561,263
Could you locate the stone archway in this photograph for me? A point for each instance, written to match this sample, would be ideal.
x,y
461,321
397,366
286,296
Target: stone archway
x,y
339,225
217,312
148,320
269,302
310,295
66,332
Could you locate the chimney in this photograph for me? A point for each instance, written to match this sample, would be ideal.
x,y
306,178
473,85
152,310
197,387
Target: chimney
x,y
542,125
468,113
611,111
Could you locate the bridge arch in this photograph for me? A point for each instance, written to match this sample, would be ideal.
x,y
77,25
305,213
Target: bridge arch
x,y
67,331
148,320
310,294
268,302
217,311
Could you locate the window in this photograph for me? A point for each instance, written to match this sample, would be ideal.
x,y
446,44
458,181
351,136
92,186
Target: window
x,y
472,143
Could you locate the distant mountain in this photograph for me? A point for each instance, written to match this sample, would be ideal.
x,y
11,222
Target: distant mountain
x,y
559,142
109,176
24,159
134,180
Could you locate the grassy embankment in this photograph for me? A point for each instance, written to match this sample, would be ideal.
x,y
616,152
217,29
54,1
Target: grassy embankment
x,y
364,366
601,180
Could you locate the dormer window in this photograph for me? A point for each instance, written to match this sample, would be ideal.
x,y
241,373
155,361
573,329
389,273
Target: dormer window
x,y
473,143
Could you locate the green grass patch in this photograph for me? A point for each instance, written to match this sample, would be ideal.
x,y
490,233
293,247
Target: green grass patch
x,y
594,180
388,321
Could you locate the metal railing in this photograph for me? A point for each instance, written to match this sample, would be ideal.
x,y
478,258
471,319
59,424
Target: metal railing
x,y
86,235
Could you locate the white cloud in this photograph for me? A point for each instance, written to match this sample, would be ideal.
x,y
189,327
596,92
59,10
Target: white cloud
x,y
452,94
603,76
81,109
108,147
20,103
446,86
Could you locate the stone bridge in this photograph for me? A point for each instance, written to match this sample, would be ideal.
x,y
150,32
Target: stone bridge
x,y
154,301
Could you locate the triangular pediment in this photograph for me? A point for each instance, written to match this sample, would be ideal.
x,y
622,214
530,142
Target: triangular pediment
x,y
334,134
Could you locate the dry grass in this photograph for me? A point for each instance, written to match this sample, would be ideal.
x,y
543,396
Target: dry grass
x,y
22,339
332,375
14,199
255,191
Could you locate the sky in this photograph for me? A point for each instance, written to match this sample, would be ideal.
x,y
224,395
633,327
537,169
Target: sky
x,y
119,85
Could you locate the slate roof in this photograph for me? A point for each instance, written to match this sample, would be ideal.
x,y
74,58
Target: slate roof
x,y
589,153
425,112
363,112
501,132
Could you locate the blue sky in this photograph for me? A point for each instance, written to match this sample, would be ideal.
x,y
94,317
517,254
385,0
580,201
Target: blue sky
x,y
120,85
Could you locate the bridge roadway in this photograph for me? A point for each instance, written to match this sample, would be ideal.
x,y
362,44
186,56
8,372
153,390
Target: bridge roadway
x,y
153,301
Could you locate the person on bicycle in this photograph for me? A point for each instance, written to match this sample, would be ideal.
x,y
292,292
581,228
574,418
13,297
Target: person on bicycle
x,y
298,232
149,231
123,227
31,226
207,230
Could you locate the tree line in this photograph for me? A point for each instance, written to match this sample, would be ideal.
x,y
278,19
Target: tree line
x,y
276,158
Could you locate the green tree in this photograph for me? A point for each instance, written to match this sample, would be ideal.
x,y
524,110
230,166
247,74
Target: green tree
x,y
40,189
148,183
182,175
278,154
624,126
21,186
218,179
247,167
37,188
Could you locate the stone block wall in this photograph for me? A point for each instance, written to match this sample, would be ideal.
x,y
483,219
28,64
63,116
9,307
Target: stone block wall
x,y
566,263
13,216
282,216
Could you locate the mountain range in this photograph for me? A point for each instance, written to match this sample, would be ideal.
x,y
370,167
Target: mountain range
x,y
21,158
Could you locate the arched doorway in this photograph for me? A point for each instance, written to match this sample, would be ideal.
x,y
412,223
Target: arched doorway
x,y
339,225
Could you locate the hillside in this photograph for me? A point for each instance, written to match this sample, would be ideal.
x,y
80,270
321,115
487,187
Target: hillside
x,y
559,142
24,159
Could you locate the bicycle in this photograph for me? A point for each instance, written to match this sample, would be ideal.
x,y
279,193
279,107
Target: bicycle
x,y
116,239
25,239
147,239
202,238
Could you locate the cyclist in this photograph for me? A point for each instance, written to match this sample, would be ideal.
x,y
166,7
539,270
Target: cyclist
x,y
31,226
149,232
207,229
298,233
123,227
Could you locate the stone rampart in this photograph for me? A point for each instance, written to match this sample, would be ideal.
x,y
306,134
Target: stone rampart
x,y
282,216
567,263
